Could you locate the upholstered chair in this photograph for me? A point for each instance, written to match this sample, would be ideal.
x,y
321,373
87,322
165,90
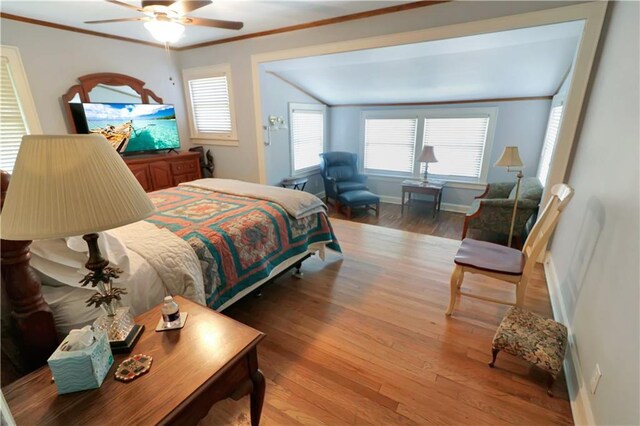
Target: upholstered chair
x,y
505,263
339,170
492,210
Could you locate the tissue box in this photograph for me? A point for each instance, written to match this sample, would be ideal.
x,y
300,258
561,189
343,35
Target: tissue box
x,y
81,369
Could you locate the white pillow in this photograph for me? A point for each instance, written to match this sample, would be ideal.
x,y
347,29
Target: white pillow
x,y
110,246
73,252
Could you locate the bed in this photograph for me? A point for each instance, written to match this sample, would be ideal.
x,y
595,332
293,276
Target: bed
x,y
212,240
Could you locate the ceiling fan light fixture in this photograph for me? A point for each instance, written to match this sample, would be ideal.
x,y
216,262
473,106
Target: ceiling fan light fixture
x,y
165,31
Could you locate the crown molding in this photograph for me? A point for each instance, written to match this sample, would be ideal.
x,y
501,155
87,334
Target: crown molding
x,y
313,24
320,23
76,30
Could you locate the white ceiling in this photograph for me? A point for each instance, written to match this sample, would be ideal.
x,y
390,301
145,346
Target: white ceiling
x,y
256,15
518,63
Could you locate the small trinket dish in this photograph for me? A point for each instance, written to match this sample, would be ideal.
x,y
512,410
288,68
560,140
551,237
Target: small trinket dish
x,y
183,319
134,367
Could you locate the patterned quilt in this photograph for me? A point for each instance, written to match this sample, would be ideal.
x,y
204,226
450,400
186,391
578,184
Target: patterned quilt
x,y
238,240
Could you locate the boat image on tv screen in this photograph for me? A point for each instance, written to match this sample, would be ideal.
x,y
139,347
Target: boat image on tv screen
x,y
134,127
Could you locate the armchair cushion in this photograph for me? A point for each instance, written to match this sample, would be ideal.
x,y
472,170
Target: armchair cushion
x,y
349,186
500,190
530,189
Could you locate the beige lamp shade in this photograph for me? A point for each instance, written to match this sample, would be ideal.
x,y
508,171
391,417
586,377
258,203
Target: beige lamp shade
x,y
70,185
510,158
427,155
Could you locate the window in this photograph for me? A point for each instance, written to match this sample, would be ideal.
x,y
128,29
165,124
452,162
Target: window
x,y
17,110
389,144
550,139
459,145
210,104
307,136
392,141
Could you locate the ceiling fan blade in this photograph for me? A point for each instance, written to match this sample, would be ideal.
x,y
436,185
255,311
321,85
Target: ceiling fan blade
x,y
186,6
106,21
216,23
121,3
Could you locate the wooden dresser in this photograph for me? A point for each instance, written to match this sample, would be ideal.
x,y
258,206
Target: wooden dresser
x,y
162,171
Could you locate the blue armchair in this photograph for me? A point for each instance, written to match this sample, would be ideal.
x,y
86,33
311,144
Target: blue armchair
x,y
339,171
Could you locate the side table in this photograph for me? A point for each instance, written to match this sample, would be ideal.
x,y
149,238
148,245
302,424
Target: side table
x,y
417,187
212,358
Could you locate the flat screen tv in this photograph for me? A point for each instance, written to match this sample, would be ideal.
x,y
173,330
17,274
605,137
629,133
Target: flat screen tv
x,y
131,127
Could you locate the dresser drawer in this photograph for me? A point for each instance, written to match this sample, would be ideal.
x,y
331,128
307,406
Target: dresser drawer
x,y
178,179
183,167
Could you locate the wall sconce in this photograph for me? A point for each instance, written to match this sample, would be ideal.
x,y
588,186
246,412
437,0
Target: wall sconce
x,y
275,124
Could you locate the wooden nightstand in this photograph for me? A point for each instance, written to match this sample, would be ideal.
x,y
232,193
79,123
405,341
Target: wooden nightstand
x,y
212,358
417,187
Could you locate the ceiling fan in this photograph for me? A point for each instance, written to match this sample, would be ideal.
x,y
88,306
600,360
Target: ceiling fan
x,y
165,20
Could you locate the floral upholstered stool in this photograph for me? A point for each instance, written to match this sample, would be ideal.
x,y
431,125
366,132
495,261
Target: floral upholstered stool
x,y
535,339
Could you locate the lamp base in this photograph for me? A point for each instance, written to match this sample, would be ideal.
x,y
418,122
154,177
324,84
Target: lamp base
x,y
126,345
122,331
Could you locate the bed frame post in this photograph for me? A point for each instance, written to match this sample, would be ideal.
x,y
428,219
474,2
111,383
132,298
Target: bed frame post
x,y
22,287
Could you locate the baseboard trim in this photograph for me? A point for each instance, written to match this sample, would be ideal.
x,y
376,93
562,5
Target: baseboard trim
x,y
578,395
448,207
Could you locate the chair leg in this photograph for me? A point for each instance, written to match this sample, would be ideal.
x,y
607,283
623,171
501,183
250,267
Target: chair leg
x,y
456,282
494,352
550,381
349,212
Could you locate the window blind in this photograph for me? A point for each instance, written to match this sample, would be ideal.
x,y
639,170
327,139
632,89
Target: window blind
x,y
210,105
12,122
307,138
550,139
458,145
389,144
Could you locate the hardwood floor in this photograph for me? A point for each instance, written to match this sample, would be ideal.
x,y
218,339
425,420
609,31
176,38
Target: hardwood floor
x,y
363,339
417,218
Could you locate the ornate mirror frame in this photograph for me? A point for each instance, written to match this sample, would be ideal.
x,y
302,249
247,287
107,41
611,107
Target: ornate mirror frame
x,y
89,81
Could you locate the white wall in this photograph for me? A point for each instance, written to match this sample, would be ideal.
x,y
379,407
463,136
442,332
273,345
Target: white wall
x,y
521,123
276,96
54,59
595,249
241,162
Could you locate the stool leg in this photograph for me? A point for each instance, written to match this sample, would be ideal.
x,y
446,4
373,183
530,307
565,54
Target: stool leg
x,y
494,352
550,381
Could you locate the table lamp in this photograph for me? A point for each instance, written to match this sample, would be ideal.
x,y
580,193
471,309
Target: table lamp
x,y
427,156
70,185
511,158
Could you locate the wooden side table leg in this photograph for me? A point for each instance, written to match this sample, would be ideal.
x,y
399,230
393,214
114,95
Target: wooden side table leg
x,y
402,204
257,397
435,204
257,394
